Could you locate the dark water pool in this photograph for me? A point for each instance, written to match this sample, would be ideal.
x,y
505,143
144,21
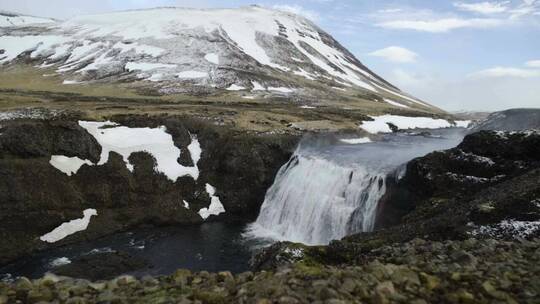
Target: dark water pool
x,y
210,246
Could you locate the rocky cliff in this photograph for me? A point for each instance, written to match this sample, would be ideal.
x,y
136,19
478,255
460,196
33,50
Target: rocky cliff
x,y
36,197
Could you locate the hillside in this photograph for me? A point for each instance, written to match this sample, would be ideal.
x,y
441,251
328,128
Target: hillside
x,y
245,55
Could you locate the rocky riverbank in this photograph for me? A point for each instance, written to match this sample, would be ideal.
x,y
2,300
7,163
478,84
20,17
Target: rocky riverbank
x,y
419,271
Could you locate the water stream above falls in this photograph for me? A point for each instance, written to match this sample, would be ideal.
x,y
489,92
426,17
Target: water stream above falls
x,y
330,189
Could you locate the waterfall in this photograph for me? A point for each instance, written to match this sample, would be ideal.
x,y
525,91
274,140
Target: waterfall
x,y
330,189
314,200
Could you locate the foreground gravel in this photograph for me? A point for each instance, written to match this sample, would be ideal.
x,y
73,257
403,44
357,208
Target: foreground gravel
x,y
469,271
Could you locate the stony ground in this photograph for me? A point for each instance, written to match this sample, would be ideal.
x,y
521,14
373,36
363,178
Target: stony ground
x,y
468,271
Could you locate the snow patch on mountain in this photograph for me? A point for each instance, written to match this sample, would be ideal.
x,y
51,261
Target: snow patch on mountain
x,y
397,104
192,74
8,19
212,58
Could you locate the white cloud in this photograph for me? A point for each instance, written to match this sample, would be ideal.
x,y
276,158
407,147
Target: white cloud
x,y
297,9
477,94
441,25
396,54
485,8
407,80
533,63
498,72
389,10
528,7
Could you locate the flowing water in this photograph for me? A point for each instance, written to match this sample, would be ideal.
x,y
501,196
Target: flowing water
x,y
330,189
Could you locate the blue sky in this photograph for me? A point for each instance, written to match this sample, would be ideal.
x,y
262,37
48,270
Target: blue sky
x,y
467,54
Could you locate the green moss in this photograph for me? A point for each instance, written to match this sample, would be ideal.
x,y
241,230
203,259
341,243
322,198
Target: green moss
x,y
210,297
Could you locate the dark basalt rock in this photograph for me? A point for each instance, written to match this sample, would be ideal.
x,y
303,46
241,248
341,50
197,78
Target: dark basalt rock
x,y
35,197
483,159
31,139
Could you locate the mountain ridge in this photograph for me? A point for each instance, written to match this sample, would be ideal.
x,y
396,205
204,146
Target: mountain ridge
x,y
257,52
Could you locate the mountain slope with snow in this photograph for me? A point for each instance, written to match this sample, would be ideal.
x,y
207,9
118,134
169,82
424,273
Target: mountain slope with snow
x,y
252,51
8,19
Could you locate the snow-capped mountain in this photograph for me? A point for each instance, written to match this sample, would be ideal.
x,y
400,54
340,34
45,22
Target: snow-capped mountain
x,y
13,19
255,51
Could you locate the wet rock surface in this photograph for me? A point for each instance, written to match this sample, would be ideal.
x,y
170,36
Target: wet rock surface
x,y
241,166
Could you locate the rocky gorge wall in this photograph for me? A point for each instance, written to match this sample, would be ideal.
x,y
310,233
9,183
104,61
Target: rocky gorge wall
x,y
36,197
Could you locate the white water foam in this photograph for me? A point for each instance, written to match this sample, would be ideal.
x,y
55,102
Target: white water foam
x,y
314,201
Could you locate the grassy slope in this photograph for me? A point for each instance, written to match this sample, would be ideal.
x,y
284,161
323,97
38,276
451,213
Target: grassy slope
x,y
23,86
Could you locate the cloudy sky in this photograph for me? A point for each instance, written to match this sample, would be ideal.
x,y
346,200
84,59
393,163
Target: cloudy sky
x,y
459,55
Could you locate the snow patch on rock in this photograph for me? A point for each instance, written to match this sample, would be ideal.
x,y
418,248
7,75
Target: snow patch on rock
x,y
215,207
69,228
155,141
68,165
